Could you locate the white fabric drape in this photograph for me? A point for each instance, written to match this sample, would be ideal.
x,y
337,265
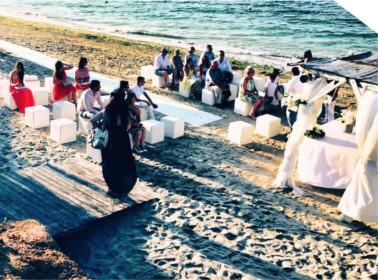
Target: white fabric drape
x,y
313,93
360,200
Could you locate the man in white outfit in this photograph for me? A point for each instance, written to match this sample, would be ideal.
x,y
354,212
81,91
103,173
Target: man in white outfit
x,y
88,99
144,101
294,90
162,66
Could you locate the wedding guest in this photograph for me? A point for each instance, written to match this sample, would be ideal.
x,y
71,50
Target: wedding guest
x,y
82,77
178,67
162,66
22,96
271,90
62,87
137,129
200,83
144,101
215,82
88,99
189,73
209,53
191,54
249,93
294,90
118,164
225,67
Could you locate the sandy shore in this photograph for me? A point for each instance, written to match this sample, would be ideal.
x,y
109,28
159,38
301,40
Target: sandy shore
x,y
219,216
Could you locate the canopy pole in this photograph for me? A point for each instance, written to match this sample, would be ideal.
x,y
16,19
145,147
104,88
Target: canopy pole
x,y
356,90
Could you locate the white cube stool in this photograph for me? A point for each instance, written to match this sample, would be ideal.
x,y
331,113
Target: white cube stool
x,y
158,81
4,86
234,92
268,126
184,92
237,76
64,109
154,131
49,84
173,127
37,116
41,95
93,153
259,83
208,97
85,125
63,131
8,100
147,72
143,114
240,133
241,107
31,81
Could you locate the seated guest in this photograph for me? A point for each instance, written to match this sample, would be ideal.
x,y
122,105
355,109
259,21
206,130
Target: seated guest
x,y
137,130
225,67
144,101
178,67
215,82
62,87
200,83
188,80
248,92
191,54
82,75
22,96
209,53
162,66
87,101
271,88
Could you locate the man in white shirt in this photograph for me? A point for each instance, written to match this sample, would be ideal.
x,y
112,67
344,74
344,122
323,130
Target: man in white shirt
x,y
225,66
162,66
294,90
88,98
144,101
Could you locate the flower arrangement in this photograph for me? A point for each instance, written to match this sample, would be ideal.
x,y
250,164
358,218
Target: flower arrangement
x,y
315,133
293,102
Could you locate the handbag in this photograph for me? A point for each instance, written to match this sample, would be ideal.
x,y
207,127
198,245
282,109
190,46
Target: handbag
x,y
99,136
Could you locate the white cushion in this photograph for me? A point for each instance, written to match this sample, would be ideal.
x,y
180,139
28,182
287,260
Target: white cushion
x,y
154,131
85,125
41,95
234,92
37,116
147,72
240,133
8,100
63,131
173,127
208,97
268,126
64,109
241,107
93,153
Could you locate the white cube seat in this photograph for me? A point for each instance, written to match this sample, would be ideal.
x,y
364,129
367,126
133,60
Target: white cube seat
x,y
147,72
158,81
85,125
4,87
41,95
241,107
63,131
64,109
49,84
259,83
237,76
33,84
37,116
9,100
234,92
154,131
93,153
173,127
268,126
240,133
184,92
143,114
208,97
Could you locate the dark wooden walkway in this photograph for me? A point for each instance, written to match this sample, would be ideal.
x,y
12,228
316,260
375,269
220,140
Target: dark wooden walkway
x,y
64,196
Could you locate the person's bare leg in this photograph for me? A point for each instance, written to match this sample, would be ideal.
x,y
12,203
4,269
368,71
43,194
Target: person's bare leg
x,y
256,106
137,141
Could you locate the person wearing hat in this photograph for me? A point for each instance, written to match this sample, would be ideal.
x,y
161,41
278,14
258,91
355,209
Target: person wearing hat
x,y
162,66
195,60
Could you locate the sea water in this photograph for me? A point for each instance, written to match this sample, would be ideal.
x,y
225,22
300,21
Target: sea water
x,y
273,27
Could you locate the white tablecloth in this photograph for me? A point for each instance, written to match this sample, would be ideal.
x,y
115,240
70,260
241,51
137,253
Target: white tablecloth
x,y
328,162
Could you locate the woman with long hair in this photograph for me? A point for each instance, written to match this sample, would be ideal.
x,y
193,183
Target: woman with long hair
x,y
62,87
118,164
196,90
22,96
82,78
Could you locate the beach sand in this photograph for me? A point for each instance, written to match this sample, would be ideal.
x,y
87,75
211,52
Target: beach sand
x,y
219,216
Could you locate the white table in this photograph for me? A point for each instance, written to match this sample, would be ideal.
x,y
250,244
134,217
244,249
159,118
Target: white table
x,y
328,162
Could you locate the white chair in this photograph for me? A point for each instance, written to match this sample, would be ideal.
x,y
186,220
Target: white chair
x,y
173,127
208,97
268,126
63,131
241,107
41,95
234,92
154,131
4,87
240,133
85,125
93,153
64,109
9,100
37,116
147,72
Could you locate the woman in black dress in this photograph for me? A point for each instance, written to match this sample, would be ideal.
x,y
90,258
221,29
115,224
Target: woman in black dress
x,y
118,164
